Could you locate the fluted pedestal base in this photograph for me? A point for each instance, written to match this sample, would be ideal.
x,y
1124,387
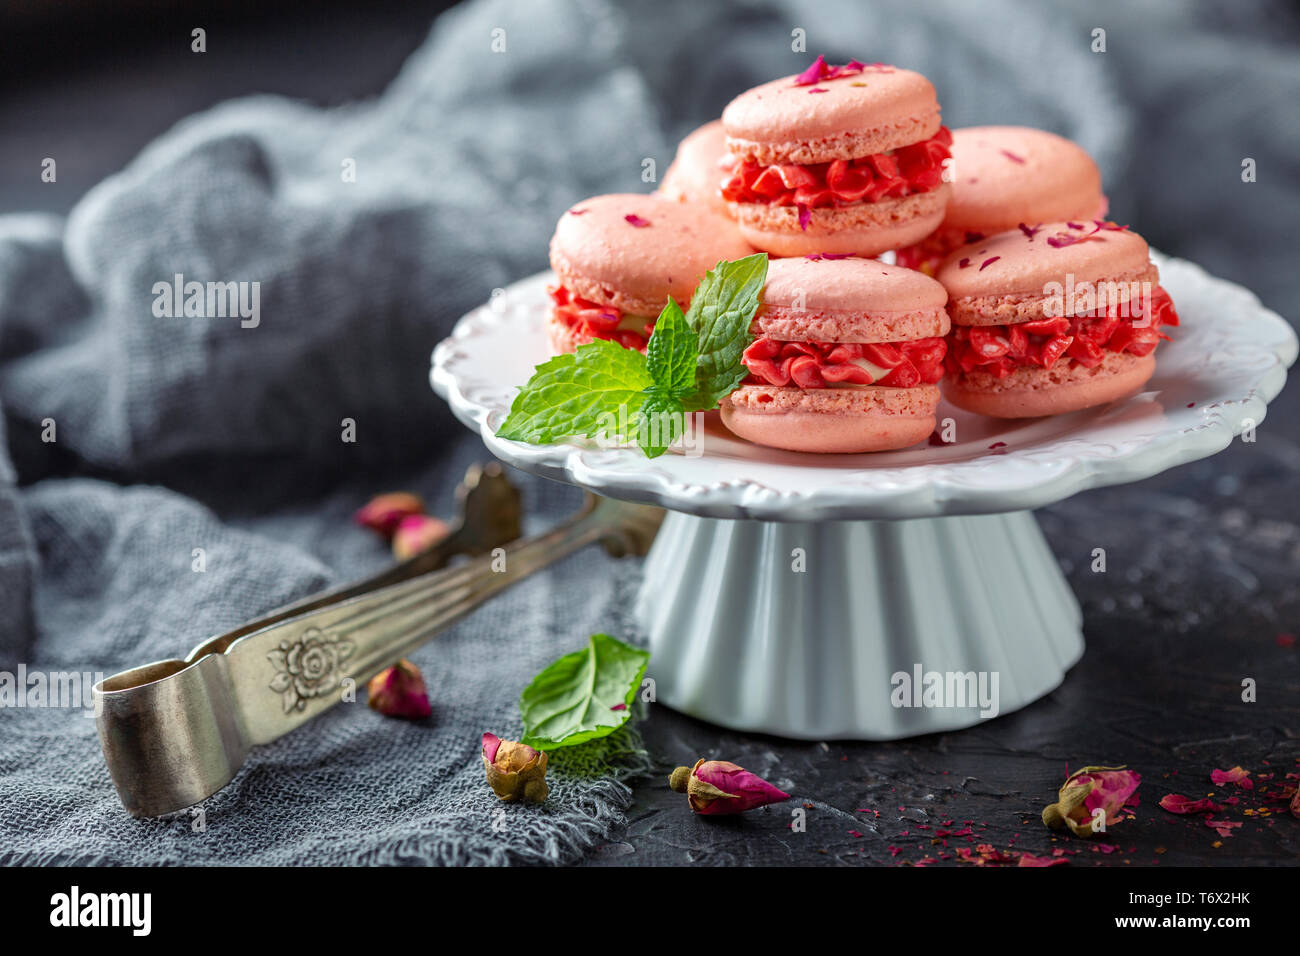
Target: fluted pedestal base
x,y
869,630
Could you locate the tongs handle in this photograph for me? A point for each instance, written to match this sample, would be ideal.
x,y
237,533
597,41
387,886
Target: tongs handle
x,y
297,666
175,732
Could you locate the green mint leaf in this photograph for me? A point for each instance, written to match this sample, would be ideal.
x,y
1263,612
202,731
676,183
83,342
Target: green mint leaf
x,y
574,699
721,311
579,394
671,355
659,422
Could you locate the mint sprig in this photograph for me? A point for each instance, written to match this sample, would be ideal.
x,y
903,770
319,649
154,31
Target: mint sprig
x,y
721,310
691,362
583,695
574,394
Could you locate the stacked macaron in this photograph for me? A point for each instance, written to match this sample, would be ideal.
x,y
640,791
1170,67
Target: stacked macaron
x,y
846,357
1003,176
701,167
619,258
1052,318
842,159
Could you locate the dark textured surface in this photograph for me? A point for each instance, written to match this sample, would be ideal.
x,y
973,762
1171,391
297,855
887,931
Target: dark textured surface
x,y
1203,562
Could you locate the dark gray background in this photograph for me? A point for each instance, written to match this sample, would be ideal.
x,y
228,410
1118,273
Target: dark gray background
x,y
1205,559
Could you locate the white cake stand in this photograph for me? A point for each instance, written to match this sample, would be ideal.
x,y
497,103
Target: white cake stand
x,y
926,558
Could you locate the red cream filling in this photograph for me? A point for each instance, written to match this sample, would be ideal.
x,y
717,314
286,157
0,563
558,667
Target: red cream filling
x,y
593,320
1084,338
827,364
916,168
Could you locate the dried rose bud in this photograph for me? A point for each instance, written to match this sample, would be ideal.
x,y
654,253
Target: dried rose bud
x,y
385,512
1085,791
515,771
415,533
399,691
718,787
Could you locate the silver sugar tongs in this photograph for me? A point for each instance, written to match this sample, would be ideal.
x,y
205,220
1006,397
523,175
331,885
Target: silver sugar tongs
x,y
175,732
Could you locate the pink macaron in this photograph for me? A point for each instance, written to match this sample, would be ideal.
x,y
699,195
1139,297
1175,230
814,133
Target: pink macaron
x,y
845,357
1003,176
702,165
619,258
1052,318
842,159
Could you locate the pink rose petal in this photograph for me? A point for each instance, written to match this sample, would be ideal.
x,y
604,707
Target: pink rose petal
x,y
1177,803
1236,775
490,744
814,73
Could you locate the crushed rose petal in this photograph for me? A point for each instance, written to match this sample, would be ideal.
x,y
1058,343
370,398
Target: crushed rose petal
x,y
1236,775
1177,803
821,70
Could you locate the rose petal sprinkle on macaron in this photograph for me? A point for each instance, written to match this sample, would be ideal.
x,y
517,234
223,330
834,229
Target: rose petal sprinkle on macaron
x,y
860,172
821,70
1062,325
1008,176
614,274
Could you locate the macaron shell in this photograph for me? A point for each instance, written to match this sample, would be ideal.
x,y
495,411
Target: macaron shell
x,y
1035,392
849,300
1006,175
832,420
857,115
702,165
854,284
1012,262
862,229
601,256
789,325
1017,307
